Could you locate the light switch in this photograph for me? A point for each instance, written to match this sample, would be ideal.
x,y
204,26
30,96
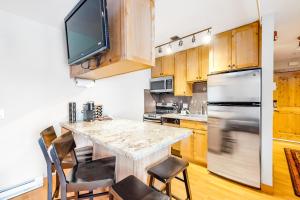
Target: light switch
x,y
1,114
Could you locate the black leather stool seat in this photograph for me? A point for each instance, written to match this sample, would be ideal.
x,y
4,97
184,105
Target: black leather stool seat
x,y
132,188
168,169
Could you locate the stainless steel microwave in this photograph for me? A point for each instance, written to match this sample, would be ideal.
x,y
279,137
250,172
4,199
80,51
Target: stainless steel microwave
x,y
162,84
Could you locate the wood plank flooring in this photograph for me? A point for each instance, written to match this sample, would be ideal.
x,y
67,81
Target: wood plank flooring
x,y
207,186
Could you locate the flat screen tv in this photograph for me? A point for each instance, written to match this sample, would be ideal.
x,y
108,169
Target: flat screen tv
x,y
86,30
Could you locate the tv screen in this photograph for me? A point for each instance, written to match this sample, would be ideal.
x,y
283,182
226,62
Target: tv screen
x,y
86,30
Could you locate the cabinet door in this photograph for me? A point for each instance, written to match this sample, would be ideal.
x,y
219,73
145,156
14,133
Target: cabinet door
x,y
156,70
204,61
168,65
181,87
187,148
193,63
245,46
221,48
200,146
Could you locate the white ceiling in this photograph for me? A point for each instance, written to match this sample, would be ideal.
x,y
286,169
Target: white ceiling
x,y
181,17
287,23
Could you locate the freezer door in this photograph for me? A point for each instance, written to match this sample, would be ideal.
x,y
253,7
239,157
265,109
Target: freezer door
x,y
234,143
242,86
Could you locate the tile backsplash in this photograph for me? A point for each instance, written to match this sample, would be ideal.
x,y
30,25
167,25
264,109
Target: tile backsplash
x,y
195,102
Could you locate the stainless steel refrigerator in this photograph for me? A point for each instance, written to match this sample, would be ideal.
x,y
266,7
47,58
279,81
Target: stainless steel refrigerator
x,y
234,119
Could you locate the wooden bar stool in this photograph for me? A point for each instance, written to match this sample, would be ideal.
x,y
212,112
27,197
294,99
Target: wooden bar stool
x,y
166,171
132,188
83,154
82,176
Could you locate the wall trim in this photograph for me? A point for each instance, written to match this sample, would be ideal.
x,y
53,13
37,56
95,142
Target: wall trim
x,y
21,188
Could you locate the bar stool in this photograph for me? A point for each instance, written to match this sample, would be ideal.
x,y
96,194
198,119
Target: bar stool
x,y
83,154
166,171
82,176
132,188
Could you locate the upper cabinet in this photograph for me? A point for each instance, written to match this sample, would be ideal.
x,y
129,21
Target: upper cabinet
x,y
131,31
197,63
221,48
164,66
181,86
245,46
235,49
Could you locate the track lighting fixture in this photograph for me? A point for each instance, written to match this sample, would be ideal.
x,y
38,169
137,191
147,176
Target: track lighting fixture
x,y
193,39
169,49
166,48
180,43
159,50
207,37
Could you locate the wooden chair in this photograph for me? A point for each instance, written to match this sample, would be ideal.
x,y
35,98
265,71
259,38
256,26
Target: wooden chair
x,y
85,154
82,176
166,171
132,188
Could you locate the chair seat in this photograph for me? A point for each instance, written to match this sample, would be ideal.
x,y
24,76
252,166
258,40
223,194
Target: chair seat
x,y
168,169
92,175
132,188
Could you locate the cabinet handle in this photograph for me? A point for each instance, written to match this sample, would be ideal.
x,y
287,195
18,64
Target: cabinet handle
x,y
233,65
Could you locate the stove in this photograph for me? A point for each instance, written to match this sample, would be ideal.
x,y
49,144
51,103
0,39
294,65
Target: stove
x,y
161,108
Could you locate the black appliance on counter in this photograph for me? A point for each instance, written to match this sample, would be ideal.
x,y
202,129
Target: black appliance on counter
x,y
89,111
72,112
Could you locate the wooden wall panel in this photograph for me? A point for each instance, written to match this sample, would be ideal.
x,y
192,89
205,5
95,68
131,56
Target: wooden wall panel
x,y
287,114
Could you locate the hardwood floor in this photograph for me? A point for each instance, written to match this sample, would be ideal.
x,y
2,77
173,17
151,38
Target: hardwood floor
x,y
207,186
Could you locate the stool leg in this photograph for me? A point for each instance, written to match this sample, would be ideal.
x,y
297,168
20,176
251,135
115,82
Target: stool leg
x,y
151,181
91,195
187,184
168,190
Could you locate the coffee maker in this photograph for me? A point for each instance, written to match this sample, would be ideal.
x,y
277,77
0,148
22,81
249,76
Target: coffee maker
x,y
89,111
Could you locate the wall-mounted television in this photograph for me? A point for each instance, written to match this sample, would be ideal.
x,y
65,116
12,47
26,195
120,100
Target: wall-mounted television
x,y
86,30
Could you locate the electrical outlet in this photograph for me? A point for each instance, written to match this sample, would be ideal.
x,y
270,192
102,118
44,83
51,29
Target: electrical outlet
x,y
1,114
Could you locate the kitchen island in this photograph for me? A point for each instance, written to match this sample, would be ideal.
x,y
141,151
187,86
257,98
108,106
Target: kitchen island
x,y
136,145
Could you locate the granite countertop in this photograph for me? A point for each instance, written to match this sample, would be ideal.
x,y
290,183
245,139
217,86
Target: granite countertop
x,y
132,139
192,117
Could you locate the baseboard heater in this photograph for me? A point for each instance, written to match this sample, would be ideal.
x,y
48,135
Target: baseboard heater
x,y
16,190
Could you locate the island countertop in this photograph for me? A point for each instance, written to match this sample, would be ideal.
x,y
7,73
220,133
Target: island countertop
x,y
133,139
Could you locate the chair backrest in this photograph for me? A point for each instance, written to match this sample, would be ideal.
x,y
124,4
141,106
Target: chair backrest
x,y
48,136
60,148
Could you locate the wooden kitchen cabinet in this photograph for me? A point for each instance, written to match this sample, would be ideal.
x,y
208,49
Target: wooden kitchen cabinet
x,y
194,148
181,86
200,146
197,63
245,46
193,64
235,49
221,47
131,32
164,66
156,70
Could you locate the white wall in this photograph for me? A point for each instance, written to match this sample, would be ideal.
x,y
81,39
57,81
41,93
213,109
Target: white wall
x,y
267,100
35,89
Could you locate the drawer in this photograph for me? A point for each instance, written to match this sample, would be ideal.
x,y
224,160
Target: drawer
x,y
193,125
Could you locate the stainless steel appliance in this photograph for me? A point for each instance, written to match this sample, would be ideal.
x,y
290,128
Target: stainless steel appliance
x,y
234,125
161,84
161,108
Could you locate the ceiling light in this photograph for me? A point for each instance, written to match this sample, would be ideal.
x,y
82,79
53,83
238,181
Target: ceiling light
x,y
180,43
169,49
194,39
207,38
159,50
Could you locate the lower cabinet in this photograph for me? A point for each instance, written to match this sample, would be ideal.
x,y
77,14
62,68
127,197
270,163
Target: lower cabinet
x,y
194,148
